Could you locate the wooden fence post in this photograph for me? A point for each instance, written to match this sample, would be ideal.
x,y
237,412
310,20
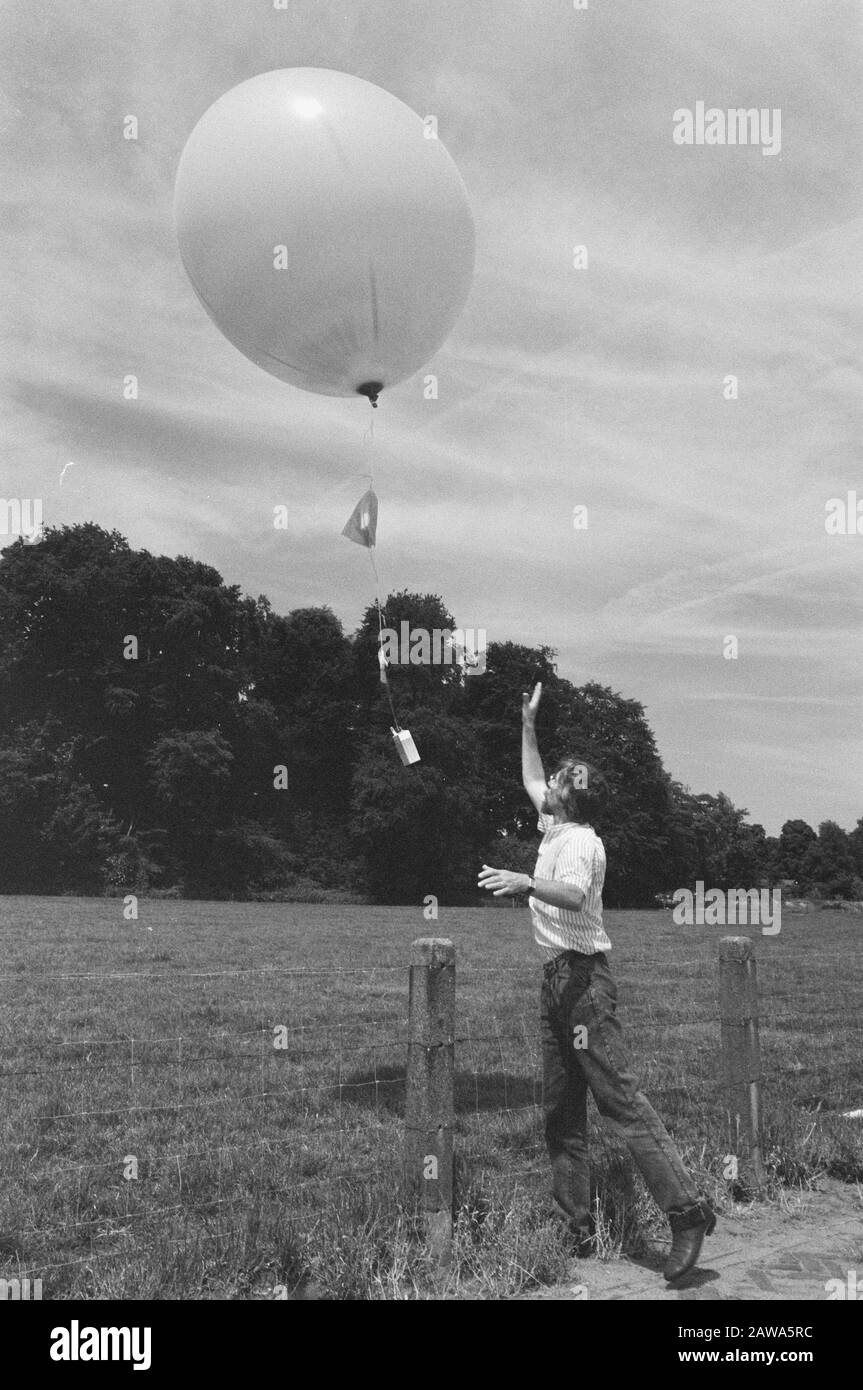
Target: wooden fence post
x,y
741,1058
429,1106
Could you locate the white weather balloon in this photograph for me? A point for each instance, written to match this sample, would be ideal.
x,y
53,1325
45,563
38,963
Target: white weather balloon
x,y
326,236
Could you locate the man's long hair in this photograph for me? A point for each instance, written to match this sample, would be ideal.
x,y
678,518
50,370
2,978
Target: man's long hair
x,y
583,789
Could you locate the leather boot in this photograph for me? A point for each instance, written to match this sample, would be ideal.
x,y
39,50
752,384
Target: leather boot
x,y
688,1229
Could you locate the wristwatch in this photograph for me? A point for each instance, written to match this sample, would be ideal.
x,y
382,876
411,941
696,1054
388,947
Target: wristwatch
x,y
532,885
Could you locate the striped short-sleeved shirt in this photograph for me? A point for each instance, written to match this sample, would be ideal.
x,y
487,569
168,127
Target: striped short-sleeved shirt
x,y
570,853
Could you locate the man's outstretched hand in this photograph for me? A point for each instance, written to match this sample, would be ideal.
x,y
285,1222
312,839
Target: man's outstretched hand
x,y
502,882
530,704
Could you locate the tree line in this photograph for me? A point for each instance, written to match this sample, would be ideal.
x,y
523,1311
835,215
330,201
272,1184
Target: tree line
x,y
162,732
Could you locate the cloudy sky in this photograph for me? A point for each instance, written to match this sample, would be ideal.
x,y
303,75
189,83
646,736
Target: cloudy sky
x,y
558,387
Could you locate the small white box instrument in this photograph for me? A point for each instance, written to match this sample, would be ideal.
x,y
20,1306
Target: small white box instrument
x,y
407,749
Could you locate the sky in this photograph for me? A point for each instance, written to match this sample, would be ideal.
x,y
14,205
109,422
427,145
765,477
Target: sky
x,y
559,387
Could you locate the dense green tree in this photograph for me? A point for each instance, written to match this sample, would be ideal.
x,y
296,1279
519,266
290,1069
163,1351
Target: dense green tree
x,y
414,683
748,862
855,844
795,838
55,837
420,829
771,858
829,863
711,842
122,648
306,673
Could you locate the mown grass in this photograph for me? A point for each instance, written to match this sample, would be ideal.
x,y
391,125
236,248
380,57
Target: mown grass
x,y
264,1170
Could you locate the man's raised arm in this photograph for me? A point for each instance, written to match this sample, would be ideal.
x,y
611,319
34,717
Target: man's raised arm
x,y
532,771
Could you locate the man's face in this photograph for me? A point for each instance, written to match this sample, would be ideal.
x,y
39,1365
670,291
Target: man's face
x,y
552,801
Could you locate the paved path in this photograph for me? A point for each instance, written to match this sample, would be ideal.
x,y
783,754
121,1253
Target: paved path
x,y
759,1252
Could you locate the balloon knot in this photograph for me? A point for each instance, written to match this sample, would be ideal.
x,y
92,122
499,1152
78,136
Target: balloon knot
x,y
372,389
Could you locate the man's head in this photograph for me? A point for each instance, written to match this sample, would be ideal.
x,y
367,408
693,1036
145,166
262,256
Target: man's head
x,y
577,791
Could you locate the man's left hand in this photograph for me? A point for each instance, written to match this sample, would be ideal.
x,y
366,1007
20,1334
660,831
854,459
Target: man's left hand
x,y
503,883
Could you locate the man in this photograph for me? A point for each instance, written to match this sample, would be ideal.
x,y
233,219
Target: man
x,y
582,1040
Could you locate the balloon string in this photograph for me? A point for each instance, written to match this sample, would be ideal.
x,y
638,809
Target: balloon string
x,y
397,726
374,570
369,435
338,487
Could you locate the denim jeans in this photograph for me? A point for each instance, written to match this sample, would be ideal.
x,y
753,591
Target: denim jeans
x,y
578,992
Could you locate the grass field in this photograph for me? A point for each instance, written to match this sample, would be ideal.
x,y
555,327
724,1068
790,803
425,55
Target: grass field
x,y
260,1168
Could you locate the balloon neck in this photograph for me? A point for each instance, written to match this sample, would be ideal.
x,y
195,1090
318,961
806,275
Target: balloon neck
x,y
372,389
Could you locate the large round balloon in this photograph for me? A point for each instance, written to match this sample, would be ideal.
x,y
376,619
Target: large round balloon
x,y
328,238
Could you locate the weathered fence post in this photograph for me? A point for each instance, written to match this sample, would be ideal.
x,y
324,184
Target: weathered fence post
x,y
429,1106
741,1057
